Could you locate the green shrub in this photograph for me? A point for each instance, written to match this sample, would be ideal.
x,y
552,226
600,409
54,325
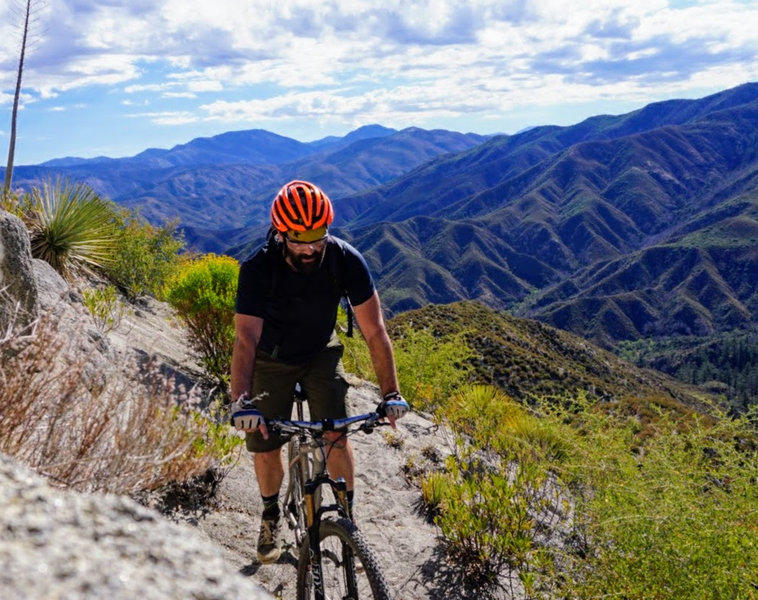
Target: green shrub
x,y
104,306
493,421
487,524
490,501
434,489
203,293
661,508
356,359
673,518
219,440
144,256
429,369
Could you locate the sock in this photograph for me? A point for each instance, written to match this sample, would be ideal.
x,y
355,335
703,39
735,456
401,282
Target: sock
x,y
350,496
271,507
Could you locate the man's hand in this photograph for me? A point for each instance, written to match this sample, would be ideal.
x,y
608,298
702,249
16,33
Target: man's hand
x,y
246,417
393,406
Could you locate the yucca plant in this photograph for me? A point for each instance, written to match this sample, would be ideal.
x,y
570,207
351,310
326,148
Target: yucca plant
x,y
71,227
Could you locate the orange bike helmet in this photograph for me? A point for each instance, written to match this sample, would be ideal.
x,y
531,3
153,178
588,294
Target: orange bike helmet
x,y
301,206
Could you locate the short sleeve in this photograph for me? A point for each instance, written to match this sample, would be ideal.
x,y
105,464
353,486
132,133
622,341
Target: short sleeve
x,y
358,283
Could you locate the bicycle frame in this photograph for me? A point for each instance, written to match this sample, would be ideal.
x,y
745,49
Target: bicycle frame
x,y
307,456
300,466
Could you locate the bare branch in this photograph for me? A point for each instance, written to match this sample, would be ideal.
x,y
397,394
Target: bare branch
x,y
14,115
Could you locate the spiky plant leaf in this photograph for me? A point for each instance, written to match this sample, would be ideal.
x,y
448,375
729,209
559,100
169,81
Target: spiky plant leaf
x,y
74,228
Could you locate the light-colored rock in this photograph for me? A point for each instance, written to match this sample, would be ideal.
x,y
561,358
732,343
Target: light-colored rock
x,y
18,288
58,544
152,329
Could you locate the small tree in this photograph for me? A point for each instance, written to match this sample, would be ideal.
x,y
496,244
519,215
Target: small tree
x,y
145,256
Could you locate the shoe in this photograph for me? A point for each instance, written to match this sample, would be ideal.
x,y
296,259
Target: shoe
x,y
268,541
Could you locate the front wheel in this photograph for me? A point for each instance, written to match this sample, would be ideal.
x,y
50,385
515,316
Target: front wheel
x,y
342,545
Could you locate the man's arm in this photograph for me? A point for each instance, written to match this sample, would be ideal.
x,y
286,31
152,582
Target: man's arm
x,y
247,334
371,323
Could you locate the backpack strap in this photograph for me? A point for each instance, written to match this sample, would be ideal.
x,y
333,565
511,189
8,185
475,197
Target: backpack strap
x,y
277,265
277,262
349,312
337,271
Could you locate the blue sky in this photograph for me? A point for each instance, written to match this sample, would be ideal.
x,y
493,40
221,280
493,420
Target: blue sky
x,y
114,77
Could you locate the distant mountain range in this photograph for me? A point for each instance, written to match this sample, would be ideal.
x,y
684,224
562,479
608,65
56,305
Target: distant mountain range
x,y
220,187
643,224
616,228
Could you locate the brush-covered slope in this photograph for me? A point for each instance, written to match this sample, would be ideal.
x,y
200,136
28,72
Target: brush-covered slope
x,y
527,358
509,160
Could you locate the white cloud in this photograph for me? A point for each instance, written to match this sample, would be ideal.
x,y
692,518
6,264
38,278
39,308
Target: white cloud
x,y
182,88
179,95
399,61
309,44
166,118
205,86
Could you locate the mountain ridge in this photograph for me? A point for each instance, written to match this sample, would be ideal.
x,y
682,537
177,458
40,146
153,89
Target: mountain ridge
x,y
209,186
576,209
616,228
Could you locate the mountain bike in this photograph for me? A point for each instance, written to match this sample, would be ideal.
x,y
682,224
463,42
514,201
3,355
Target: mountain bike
x,y
334,560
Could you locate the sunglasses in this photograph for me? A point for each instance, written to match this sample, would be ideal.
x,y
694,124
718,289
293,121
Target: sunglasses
x,y
318,242
307,238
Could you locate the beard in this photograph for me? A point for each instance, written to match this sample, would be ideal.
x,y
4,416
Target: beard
x,y
304,263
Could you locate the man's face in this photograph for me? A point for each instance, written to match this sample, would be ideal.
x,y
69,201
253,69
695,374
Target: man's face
x,y
304,257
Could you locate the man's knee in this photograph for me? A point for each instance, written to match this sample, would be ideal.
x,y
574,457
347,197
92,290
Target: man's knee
x,y
268,462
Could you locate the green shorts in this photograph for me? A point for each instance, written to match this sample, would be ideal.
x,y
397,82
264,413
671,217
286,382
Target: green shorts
x,y
322,378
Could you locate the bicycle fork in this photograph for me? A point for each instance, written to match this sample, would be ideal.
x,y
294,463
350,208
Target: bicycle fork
x,y
313,521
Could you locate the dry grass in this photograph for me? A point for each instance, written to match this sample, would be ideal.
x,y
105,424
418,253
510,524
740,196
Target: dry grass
x,y
116,429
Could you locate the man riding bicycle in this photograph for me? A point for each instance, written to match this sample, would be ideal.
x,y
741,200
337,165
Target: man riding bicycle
x,y
286,311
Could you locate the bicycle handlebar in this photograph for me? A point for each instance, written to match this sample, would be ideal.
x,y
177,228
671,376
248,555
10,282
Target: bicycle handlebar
x,y
248,417
287,426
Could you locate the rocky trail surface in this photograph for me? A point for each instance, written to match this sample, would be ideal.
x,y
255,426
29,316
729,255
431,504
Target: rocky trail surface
x,y
387,500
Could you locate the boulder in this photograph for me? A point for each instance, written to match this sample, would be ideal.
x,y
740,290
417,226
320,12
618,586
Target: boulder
x,y
19,304
64,544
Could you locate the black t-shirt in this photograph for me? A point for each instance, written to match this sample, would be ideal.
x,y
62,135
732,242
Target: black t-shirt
x,y
299,311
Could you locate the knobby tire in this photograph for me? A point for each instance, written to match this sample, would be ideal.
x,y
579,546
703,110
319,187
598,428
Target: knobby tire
x,y
340,541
